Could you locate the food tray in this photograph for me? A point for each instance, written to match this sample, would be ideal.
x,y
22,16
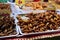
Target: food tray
x,y
11,15
48,31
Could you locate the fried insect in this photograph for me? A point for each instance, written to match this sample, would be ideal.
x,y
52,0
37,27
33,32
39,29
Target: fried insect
x,y
40,22
7,26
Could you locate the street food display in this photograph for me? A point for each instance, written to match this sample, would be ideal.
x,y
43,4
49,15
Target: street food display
x,y
29,17
31,23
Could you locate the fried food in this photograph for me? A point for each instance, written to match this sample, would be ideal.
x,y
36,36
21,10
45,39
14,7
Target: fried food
x,y
7,26
36,5
39,22
5,9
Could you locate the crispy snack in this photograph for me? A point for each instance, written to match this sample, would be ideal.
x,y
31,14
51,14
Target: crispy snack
x,y
39,22
7,26
5,9
36,5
